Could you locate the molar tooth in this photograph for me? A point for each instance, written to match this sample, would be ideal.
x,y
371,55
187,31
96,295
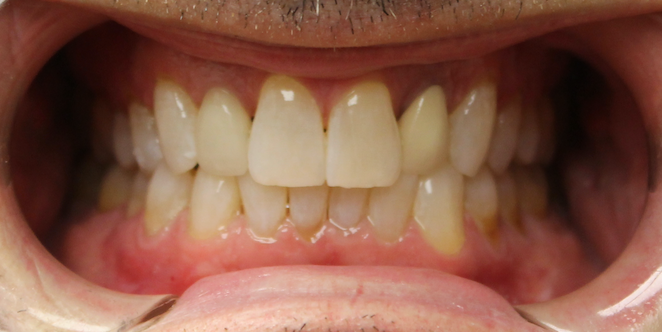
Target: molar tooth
x,y
481,201
115,188
286,146
167,195
346,206
214,202
504,141
222,134
308,207
175,117
471,126
265,206
138,194
364,147
439,209
122,145
508,203
390,207
424,132
529,138
146,146
531,190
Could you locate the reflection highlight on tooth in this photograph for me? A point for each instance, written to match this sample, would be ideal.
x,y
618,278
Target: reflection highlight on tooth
x,y
167,195
265,206
347,206
146,147
215,201
308,207
504,140
481,202
122,144
390,207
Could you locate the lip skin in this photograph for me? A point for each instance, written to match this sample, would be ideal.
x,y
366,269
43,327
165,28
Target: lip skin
x,y
37,293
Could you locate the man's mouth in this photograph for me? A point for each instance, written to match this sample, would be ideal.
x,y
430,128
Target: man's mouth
x,y
327,171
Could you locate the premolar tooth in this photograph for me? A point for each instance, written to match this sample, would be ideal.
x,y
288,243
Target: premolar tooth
x,y
214,203
122,145
115,189
146,146
167,195
424,132
222,134
439,209
138,194
508,204
390,207
264,206
504,141
529,137
471,126
175,117
308,207
346,206
364,147
531,190
286,146
481,201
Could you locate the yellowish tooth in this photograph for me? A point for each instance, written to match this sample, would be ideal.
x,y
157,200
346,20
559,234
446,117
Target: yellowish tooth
x,y
138,194
508,204
115,189
222,133
146,147
364,147
176,116
390,207
122,145
471,126
286,146
439,209
265,206
308,207
215,201
424,132
547,131
532,190
102,133
481,202
529,137
504,140
346,206
167,195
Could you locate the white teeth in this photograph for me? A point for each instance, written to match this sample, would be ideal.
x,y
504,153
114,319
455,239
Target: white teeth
x,y
531,190
529,137
481,202
146,146
390,207
167,195
346,206
508,204
222,134
308,206
504,140
364,147
214,203
471,126
115,189
176,117
286,147
122,145
424,132
265,206
138,194
439,209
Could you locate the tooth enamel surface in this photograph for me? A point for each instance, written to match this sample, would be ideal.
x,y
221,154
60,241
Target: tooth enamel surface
x,y
531,190
508,204
115,188
504,141
265,206
286,146
481,201
175,117
222,133
390,207
424,132
308,207
122,145
346,206
471,126
146,146
167,195
215,201
102,133
529,137
138,194
439,209
364,148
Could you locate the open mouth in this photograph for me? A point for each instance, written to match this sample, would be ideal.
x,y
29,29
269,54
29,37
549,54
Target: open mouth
x,y
330,166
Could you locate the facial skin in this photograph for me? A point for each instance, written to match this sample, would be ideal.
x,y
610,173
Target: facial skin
x,y
622,38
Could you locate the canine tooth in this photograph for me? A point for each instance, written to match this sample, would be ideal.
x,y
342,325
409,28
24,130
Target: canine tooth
x,y
346,206
504,141
547,130
286,147
222,133
364,147
481,201
122,145
264,206
508,204
471,126
138,194
167,195
390,207
439,209
424,132
146,146
175,117
115,188
529,138
214,202
308,207
531,190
